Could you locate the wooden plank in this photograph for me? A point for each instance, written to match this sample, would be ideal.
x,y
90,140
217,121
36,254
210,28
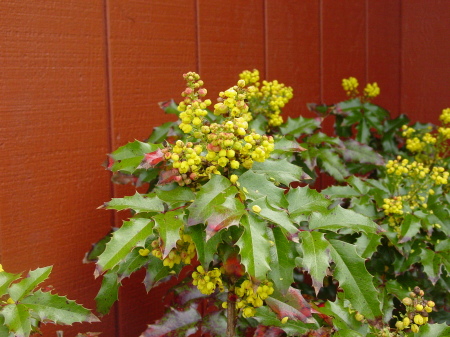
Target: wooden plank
x,y
53,130
293,51
231,39
151,44
384,28
425,59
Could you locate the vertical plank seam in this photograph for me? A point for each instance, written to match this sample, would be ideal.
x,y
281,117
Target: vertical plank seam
x,y
366,27
197,34
266,40
109,126
320,50
400,59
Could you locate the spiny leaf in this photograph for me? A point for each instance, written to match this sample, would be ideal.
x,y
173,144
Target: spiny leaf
x,y
410,227
123,241
331,163
287,144
286,175
303,201
316,256
132,262
160,133
293,327
223,216
277,216
254,246
281,259
18,290
151,159
138,203
214,324
4,331
299,126
18,319
367,244
361,153
212,194
128,157
5,280
57,308
169,225
98,248
205,249
108,293
156,271
291,305
432,264
257,186
338,218
354,278
176,195
434,330
175,323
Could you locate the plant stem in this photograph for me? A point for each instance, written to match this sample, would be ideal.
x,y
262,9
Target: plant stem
x,y
231,313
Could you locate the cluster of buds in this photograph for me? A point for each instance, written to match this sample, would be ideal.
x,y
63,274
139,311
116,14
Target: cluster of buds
x,y
207,281
252,296
417,311
184,251
350,85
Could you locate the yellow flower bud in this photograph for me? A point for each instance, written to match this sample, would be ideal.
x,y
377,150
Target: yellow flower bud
x,y
406,322
418,319
359,317
234,178
256,208
419,307
144,252
414,328
399,325
284,320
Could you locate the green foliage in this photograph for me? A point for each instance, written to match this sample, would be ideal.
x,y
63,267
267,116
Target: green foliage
x,y
24,305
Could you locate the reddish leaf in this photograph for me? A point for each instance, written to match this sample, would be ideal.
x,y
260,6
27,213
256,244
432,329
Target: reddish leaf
x,y
222,217
233,267
268,331
151,159
321,332
166,177
291,305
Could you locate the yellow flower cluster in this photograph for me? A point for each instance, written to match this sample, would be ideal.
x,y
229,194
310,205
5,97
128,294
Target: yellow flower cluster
x,y
183,252
445,116
372,90
252,296
207,281
268,99
393,205
415,145
417,311
445,132
350,85
439,175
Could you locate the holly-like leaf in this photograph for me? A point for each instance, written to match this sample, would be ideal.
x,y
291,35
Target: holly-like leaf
x,y
293,327
175,323
339,218
254,246
19,290
281,259
122,242
331,163
303,200
128,157
156,272
316,256
108,293
225,215
57,308
286,175
151,159
160,133
138,203
257,186
214,324
300,126
435,330
212,194
4,331
354,278
18,319
132,262
98,248
169,225
5,280
367,244
205,248
272,214
287,144
177,195
361,153
292,305
432,264
409,228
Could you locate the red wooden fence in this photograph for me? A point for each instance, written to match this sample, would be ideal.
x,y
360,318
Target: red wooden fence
x,y
80,78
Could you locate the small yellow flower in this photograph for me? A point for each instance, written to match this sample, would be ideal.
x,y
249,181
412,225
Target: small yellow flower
x,y
284,320
256,208
144,251
1,268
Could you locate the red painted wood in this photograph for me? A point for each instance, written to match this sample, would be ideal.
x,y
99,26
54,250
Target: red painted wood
x,y
53,138
383,48
293,51
425,59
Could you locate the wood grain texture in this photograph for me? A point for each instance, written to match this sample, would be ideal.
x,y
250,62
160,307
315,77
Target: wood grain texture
x,y
425,59
383,51
231,39
53,139
293,51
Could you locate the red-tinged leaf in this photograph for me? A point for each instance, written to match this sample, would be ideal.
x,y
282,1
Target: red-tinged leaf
x,y
223,216
151,159
233,266
291,305
175,323
321,332
166,177
268,331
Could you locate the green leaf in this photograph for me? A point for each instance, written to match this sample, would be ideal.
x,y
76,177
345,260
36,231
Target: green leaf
x,y
169,107
277,216
128,157
316,256
156,271
257,186
286,175
160,133
354,278
292,305
122,242
108,293
254,246
98,248
303,200
57,308
341,192
433,330
176,195
281,259
4,331
212,194
331,163
432,264
367,244
292,327
205,249
339,218
132,262
169,225
18,319
224,215
409,228
287,144
361,153
5,280
299,126
19,290
138,203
